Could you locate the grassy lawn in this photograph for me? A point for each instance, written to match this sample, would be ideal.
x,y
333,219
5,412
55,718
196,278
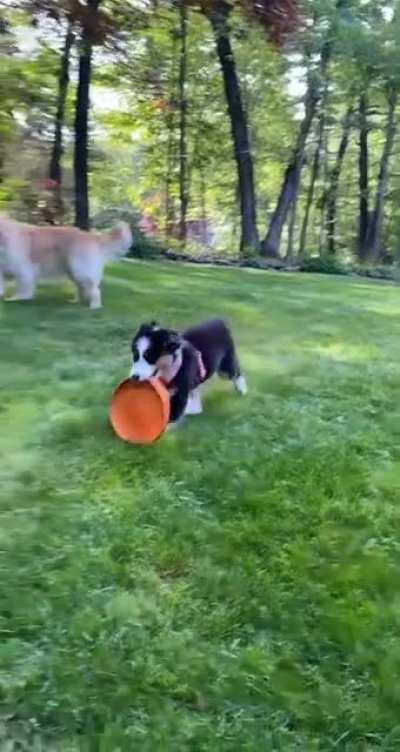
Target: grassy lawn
x,y
235,587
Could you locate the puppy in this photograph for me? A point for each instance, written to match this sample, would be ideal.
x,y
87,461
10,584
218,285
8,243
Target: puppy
x,y
28,252
185,361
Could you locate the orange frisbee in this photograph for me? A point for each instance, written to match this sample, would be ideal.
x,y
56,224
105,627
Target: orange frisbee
x,y
139,410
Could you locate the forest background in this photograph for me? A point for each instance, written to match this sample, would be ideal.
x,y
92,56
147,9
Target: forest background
x,y
246,130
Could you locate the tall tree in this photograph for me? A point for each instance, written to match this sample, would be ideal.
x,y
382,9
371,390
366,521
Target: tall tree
x,y
330,199
373,235
183,150
55,168
291,180
315,168
96,26
325,33
277,17
363,175
249,241
81,122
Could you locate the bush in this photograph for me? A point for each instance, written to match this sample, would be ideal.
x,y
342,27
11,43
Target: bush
x,y
378,271
144,246
322,265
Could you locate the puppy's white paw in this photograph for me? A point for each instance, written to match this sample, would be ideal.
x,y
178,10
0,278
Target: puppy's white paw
x,y
240,385
173,426
194,406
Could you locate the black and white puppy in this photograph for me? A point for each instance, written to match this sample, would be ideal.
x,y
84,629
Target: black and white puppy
x,y
184,361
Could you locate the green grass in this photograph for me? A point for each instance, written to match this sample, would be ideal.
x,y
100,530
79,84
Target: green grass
x,y
235,587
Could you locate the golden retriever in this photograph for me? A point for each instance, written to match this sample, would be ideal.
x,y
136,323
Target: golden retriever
x,y
28,252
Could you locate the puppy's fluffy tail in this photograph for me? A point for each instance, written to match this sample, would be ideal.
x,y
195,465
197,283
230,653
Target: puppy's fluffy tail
x,y
117,241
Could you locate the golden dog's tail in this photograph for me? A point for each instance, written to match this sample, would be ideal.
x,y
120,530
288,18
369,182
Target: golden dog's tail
x,y
5,223
117,241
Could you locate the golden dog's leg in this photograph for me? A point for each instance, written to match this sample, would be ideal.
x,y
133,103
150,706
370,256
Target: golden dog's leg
x,y
80,294
95,300
92,294
25,286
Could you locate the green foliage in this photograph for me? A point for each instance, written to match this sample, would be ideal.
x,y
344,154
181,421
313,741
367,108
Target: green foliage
x,y
19,198
233,587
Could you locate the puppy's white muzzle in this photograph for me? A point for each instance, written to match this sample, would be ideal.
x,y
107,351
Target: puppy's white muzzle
x,y
141,370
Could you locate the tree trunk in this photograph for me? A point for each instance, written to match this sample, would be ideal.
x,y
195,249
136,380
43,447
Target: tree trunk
x,y
249,241
292,229
183,153
81,128
331,196
291,181
169,179
55,168
363,163
324,179
81,139
311,188
372,243
203,204
170,124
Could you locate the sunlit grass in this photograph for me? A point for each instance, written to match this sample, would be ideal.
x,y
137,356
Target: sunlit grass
x,y
235,586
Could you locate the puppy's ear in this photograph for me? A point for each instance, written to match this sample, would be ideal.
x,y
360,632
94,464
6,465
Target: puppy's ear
x,y
146,329
173,343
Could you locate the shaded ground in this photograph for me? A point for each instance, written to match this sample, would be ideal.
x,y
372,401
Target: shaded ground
x,y
234,587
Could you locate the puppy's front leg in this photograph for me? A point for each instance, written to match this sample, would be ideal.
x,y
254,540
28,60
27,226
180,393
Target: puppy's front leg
x,y
178,404
194,406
